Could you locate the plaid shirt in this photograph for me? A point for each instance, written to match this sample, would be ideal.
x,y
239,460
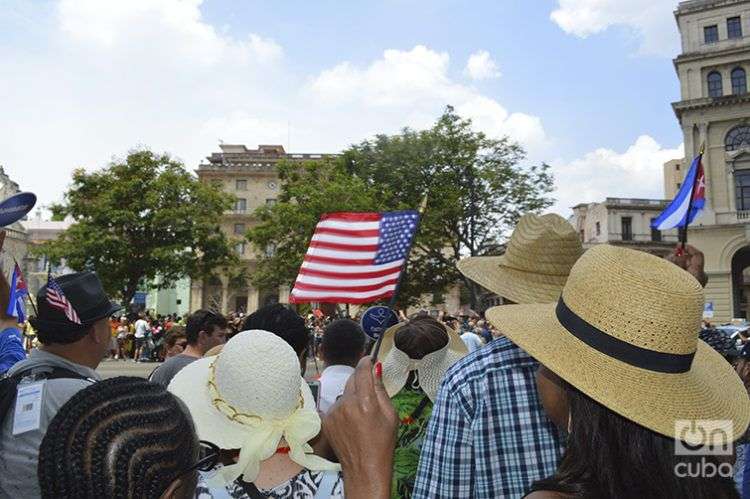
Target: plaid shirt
x,y
488,435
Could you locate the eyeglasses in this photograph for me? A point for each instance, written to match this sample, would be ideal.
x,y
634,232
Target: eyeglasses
x,y
208,458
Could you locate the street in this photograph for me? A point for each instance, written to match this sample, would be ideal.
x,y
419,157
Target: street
x,y
112,368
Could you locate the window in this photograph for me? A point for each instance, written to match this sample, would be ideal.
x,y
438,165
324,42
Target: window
x,y
734,27
240,248
737,138
714,84
627,228
270,201
677,167
711,33
739,83
241,205
679,184
270,250
583,236
239,229
655,233
742,189
598,229
240,185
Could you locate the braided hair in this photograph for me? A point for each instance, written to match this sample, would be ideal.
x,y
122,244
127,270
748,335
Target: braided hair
x,y
119,438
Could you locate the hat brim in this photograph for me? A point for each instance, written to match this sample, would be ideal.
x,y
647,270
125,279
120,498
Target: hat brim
x,y
108,312
515,285
191,386
711,390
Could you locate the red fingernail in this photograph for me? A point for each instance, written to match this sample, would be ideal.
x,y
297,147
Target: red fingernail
x,y
379,370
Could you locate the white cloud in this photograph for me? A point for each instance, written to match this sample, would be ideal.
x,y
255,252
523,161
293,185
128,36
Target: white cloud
x,y
89,79
481,66
168,26
415,85
636,173
651,21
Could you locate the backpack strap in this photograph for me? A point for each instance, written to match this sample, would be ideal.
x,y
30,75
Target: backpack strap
x,y
9,383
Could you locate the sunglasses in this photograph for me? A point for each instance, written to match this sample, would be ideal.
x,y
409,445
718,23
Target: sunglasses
x,y
208,459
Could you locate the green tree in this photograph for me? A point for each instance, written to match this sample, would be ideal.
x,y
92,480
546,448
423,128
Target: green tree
x,y
141,217
477,190
476,185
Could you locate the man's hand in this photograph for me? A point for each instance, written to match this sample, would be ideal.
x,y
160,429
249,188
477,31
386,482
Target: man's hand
x,y
692,260
361,428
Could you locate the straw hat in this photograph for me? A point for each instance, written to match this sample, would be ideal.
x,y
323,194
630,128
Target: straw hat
x,y
536,263
248,397
431,368
625,332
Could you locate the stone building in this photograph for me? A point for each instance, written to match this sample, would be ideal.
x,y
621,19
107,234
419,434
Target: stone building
x,y
16,244
38,232
715,110
251,176
624,222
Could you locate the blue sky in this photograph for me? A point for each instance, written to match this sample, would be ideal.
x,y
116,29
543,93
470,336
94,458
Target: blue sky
x,y
585,85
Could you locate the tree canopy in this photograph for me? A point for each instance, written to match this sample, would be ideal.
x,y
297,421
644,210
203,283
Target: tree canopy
x,y
476,186
141,217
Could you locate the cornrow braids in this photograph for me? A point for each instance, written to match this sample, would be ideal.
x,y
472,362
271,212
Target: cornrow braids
x,y
118,438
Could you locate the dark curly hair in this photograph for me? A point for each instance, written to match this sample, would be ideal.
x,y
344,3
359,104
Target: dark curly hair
x,y
343,343
119,438
281,321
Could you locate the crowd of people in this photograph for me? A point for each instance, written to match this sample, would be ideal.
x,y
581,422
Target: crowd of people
x,y
588,383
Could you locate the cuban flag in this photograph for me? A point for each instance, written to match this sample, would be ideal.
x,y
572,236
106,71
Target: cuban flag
x,y
355,257
689,201
18,293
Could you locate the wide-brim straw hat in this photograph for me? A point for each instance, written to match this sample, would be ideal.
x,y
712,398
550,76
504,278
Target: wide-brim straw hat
x,y
625,333
431,368
249,397
536,263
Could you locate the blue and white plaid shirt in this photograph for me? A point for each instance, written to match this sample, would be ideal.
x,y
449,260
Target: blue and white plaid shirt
x,y
488,435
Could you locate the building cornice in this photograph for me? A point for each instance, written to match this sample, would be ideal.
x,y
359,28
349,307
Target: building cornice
x,y
707,103
710,54
693,6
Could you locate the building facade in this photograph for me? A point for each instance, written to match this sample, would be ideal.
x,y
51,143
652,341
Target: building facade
x,y
624,222
38,232
714,111
251,176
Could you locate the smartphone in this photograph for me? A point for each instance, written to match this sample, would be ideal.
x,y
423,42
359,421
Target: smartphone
x,y
315,389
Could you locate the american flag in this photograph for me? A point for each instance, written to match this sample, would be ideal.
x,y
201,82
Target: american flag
x,y
355,257
57,299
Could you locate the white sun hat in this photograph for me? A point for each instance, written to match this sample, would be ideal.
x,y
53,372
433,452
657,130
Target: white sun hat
x,y
249,397
430,369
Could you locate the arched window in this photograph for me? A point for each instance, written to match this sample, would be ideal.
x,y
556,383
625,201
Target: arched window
x,y
714,84
739,83
737,138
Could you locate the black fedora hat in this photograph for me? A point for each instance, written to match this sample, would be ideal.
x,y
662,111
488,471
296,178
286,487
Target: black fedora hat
x,y
85,293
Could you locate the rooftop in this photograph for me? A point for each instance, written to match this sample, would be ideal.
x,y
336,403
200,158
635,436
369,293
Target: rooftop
x,y
262,158
37,224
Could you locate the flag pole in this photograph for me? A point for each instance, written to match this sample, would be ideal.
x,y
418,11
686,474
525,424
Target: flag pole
x,y
683,232
394,297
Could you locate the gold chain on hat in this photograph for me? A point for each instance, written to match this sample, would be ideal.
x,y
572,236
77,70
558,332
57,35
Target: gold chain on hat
x,y
228,409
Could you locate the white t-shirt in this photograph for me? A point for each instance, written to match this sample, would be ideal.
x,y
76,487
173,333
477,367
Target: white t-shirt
x,y
472,341
141,328
332,384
